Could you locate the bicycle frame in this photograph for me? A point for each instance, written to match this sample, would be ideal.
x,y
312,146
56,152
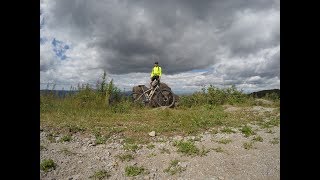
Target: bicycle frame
x,y
148,95
152,91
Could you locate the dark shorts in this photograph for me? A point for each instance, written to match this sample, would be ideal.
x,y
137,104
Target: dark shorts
x,y
155,77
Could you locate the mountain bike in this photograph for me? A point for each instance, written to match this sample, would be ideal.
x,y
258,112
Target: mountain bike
x,y
164,97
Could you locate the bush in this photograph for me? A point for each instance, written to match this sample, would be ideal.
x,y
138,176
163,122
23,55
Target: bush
x,y
212,96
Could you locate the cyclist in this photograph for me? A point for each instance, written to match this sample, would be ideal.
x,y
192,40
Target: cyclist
x,y
155,74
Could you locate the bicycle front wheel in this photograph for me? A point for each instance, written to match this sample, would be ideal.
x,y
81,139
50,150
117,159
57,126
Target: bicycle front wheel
x,y
165,98
139,98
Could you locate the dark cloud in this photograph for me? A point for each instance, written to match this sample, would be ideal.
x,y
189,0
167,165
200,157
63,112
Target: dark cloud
x,y
184,34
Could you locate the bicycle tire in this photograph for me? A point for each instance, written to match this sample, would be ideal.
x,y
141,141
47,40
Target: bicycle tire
x,y
165,98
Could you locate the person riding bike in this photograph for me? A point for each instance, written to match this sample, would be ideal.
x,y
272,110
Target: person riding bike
x,y
155,74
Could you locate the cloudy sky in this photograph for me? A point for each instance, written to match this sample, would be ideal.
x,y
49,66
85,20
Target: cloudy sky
x,y
197,43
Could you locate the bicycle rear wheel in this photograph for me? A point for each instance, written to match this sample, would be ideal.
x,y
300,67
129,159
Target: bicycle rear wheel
x,y
165,98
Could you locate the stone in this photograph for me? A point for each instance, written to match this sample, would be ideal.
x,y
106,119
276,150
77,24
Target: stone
x,y
152,133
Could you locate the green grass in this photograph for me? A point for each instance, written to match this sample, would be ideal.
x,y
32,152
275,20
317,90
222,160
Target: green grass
x,y
42,147
203,151
101,174
75,129
274,121
133,170
131,147
47,165
67,152
150,146
218,149
88,111
151,155
224,141
275,141
51,137
248,145
65,138
257,138
125,157
247,131
174,168
214,131
270,131
164,150
187,148
227,130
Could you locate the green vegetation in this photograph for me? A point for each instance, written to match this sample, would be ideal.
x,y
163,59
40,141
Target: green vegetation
x,y
151,155
247,131
67,152
65,138
164,150
227,130
257,138
150,146
218,149
248,145
47,164
125,157
224,141
42,147
101,174
174,167
133,170
102,111
275,141
187,147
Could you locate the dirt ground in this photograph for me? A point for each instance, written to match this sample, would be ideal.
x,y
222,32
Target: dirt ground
x,y
81,158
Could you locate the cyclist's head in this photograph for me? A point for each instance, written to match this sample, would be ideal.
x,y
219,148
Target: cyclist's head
x,y
156,63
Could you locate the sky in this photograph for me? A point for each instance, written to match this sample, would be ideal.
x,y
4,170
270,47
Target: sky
x,y
197,43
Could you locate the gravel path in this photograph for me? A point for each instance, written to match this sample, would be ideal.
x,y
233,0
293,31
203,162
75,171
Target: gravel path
x,y
80,158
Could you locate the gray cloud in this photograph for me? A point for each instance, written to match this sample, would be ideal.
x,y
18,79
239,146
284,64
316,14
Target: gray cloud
x,y
183,34
235,39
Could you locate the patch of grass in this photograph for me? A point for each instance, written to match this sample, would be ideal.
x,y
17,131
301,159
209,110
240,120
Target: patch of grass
x,y
224,141
51,137
227,130
248,145
125,157
218,149
133,170
187,148
203,151
257,138
65,138
150,146
151,155
270,131
275,121
164,150
247,131
214,131
275,141
131,147
67,152
100,140
174,167
47,164
42,147
101,174
74,129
